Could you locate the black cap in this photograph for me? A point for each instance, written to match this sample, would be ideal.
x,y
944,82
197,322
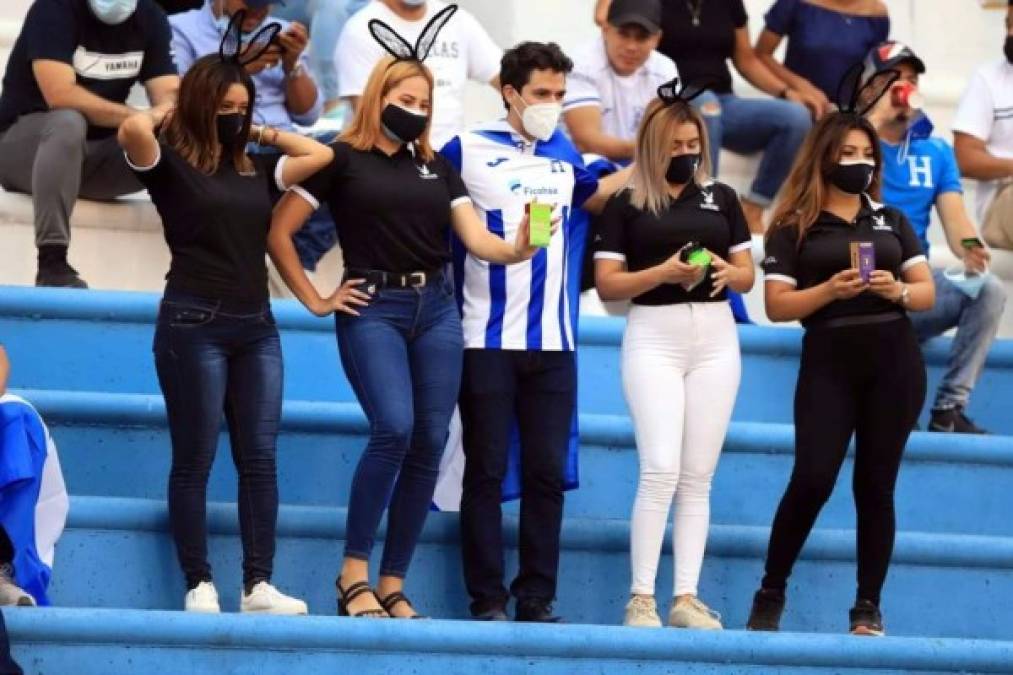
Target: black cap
x,y
887,55
643,13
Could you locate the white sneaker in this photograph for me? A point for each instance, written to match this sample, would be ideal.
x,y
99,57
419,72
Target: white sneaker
x,y
202,599
689,612
642,612
266,599
10,593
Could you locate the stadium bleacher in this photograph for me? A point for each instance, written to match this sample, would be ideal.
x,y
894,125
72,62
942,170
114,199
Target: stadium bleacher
x,y
84,359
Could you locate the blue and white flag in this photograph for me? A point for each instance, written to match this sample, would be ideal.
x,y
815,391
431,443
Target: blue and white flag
x,y
33,496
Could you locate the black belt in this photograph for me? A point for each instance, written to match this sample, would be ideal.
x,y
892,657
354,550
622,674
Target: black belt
x,y
860,320
382,279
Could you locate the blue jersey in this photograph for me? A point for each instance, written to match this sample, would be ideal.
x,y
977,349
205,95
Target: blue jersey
x,y
913,181
531,305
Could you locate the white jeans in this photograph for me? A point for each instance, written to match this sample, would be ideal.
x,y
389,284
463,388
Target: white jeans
x,y
680,369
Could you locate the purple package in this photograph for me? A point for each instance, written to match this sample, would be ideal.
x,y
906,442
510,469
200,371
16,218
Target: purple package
x,y
863,258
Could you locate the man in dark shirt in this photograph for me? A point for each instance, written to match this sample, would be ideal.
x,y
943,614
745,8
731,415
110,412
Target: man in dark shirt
x,y
64,95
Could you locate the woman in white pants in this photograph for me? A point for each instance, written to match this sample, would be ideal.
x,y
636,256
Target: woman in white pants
x,y
673,242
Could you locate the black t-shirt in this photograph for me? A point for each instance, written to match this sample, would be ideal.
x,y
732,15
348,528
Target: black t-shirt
x,y
392,212
709,215
216,226
702,51
826,250
108,60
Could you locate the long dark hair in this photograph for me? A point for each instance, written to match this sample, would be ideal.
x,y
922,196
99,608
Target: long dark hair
x,y
805,190
192,131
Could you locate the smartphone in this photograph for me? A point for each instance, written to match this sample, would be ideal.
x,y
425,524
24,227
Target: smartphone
x,y
695,254
971,242
863,258
540,218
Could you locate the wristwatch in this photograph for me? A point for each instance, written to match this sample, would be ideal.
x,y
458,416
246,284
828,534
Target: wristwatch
x,y
905,294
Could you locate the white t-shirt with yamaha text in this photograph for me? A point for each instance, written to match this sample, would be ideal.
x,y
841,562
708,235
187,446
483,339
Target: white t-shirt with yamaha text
x,y
463,51
986,112
622,100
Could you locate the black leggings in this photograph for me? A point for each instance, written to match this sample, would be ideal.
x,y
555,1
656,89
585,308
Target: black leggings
x,y
869,380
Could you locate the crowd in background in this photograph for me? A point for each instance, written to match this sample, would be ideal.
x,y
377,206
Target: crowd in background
x,y
622,139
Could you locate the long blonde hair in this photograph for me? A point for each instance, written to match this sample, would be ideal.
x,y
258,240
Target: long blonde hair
x,y
366,128
654,151
805,190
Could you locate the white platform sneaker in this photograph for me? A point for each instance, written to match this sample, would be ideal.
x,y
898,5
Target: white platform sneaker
x,y
689,612
203,599
642,612
266,599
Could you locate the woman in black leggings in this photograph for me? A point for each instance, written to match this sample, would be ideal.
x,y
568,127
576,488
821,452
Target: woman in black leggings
x,y
862,371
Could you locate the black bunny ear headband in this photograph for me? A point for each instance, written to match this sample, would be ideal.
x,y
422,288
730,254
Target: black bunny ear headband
x,y
671,94
399,48
851,90
232,49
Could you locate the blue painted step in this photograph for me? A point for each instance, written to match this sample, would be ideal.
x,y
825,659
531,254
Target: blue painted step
x,y
117,445
110,350
99,642
117,553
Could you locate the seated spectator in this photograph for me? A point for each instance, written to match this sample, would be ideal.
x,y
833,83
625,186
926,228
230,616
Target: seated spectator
x,y
983,139
614,79
463,51
64,94
287,95
33,499
326,19
701,36
920,172
825,38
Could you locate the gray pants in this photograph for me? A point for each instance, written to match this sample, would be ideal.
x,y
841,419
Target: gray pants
x,y
48,155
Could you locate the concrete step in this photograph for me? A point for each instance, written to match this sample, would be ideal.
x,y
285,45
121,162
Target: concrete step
x,y
117,553
118,445
96,641
117,328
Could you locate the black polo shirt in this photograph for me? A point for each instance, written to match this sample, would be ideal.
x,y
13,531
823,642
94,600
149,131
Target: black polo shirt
x,y
825,250
107,60
216,226
709,215
392,211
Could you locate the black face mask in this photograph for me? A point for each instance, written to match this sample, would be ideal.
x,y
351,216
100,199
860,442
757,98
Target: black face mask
x,y
1008,48
852,178
230,125
681,168
402,125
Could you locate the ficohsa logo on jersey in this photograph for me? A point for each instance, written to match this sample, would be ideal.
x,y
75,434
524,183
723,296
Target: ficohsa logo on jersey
x,y
518,188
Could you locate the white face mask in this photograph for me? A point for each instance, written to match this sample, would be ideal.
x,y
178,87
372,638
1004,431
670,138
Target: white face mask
x,y
540,119
112,12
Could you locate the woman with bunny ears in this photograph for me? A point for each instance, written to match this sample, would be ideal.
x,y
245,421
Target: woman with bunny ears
x,y
216,345
850,269
398,327
674,243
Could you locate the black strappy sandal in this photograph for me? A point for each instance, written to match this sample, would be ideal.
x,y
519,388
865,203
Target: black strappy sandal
x,y
393,599
351,593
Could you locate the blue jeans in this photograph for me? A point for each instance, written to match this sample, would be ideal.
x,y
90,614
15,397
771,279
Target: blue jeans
x,y
325,19
214,356
750,125
976,321
403,358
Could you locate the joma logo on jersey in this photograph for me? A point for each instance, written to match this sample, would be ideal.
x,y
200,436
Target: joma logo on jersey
x,y
496,162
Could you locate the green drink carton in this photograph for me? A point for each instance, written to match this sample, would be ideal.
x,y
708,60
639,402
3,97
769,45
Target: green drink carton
x,y
540,224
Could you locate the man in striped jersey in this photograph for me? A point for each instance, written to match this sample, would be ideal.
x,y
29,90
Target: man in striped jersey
x,y
519,381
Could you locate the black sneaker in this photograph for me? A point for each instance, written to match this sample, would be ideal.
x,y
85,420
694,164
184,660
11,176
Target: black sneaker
x,y
768,605
866,619
55,271
536,611
497,613
953,420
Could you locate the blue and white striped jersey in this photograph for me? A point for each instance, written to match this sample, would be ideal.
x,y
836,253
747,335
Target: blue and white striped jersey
x,y
531,305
